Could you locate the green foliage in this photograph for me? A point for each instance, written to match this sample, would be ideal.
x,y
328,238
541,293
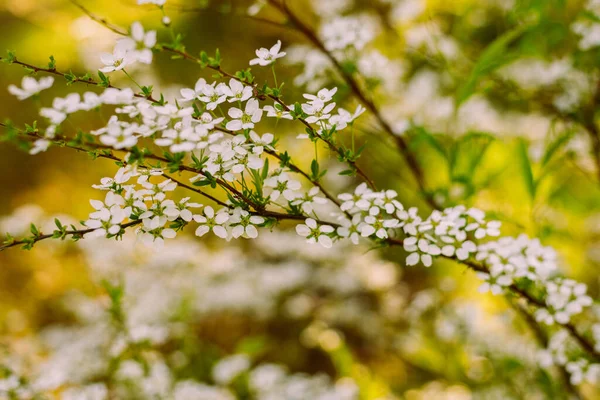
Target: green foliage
x,y
526,169
500,52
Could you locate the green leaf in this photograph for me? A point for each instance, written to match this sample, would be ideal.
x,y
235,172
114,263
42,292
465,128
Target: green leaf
x,y
70,77
34,230
467,153
423,135
555,146
11,57
493,57
314,169
526,169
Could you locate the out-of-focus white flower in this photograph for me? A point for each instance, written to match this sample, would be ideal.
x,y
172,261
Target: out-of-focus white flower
x,y
139,45
30,86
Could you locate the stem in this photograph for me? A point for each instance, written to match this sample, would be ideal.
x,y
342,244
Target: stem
x,y
132,80
170,27
352,134
274,75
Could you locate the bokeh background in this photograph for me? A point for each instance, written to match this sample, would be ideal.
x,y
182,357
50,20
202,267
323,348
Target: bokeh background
x,y
431,333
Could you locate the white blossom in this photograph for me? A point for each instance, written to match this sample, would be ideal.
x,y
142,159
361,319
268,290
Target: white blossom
x,y
314,233
30,87
268,56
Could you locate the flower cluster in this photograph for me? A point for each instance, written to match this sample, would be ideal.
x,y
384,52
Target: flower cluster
x,y
319,107
587,27
353,31
561,352
161,217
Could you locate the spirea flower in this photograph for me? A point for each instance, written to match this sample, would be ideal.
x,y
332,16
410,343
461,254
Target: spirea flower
x,y
212,222
119,59
30,87
268,56
246,119
314,233
139,45
244,224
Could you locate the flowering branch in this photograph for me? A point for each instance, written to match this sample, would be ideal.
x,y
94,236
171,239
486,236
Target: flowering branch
x,y
61,233
277,99
227,152
360,94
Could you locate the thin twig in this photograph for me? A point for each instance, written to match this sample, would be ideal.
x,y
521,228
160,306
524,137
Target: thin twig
x,y
101,20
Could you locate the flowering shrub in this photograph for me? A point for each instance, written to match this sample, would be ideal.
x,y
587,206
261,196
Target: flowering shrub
x,y
210,156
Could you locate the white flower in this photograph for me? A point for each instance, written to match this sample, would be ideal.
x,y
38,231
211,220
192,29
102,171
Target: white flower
x,y
244,119
243,224
259,143
181,210
117,96
39,146
282,185
317,111
386,201
462,252
30,87
372,225
267,56
157,2
122,176
192,94
118,134
314,233
139,45
237,91
349,229
352,31
357,200
213,96
61,108
277,111
108,216
494,284
421,250
230,367
119,59
213,222
309,200
324,95
185,140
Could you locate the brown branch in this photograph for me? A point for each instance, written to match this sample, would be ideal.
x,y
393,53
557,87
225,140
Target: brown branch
x,y
589,123
76,79
101,20
75,234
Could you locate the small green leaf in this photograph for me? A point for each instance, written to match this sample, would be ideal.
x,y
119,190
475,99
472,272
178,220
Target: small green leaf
x,y
526,169
493,57
555,146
